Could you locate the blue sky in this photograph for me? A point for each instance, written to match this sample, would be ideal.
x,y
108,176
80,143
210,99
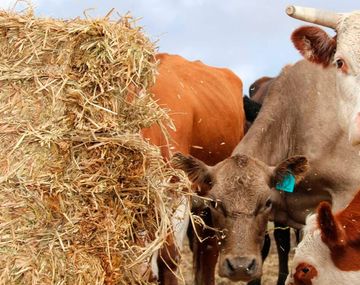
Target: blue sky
x,y
252,38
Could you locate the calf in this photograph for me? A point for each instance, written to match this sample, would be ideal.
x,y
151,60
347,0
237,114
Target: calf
x,y
205,104
258,91
330,250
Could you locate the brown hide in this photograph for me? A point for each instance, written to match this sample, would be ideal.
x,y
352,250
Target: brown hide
x,y
341,234
205,104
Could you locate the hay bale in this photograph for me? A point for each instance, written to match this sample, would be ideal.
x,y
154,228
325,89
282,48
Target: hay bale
x,y
79,188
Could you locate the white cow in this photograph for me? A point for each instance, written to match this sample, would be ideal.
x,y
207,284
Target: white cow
x,y
343,50
330,250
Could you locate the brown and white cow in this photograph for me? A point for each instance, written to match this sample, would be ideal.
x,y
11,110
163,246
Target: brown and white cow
x,y
330,250
296,122
342,50
205,104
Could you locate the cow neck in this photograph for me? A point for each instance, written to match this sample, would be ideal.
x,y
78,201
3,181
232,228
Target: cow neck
x,y
270,137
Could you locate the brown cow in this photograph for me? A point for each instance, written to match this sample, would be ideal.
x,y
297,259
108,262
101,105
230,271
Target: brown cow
x,y
259,88
206,107
258,91
330,250
296,119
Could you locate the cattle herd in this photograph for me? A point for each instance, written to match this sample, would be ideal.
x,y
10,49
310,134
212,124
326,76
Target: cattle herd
x,y
297,165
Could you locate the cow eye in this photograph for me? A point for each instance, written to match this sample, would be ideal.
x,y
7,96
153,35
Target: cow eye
x,y
213,203
252,90
339,63
268,203
218,206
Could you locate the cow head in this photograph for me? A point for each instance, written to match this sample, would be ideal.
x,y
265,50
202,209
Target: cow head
x,y
259,89
330,250
242,196
342,50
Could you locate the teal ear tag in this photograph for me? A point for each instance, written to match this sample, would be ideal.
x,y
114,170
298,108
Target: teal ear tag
x,y
287,184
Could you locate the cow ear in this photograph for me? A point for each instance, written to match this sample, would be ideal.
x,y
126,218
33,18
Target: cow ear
x,y
197,171
296,166
330,231
314,44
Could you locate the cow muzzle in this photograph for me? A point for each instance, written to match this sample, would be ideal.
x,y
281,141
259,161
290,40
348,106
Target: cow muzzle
x,y
238,268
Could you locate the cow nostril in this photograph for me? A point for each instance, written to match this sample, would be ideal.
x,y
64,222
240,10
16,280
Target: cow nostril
x,y
240,265
229,265
251,267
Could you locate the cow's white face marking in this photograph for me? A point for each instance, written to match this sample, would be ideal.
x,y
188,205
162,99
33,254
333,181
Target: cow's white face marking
x,y
348,83
348,41
312,250
348,88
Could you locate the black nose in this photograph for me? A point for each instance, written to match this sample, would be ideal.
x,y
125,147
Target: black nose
x,y
229,265
245,265
251,267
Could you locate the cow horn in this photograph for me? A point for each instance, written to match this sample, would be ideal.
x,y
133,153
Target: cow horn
x,y
311,15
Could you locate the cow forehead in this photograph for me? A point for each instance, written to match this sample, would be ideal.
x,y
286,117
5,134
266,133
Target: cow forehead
x,y
241,184
348,21
348,36
311,249
241,173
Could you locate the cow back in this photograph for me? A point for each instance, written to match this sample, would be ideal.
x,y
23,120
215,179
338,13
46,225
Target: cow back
x,y
205,104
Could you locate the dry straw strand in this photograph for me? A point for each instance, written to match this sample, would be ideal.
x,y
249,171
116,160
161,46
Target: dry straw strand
x,y
84,199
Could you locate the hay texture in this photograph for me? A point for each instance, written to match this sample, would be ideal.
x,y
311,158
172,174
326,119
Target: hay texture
x,y
83,199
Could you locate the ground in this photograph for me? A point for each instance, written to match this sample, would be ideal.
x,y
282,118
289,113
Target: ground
x,y
270,267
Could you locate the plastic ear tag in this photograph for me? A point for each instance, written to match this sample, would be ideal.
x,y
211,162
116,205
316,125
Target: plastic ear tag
x,y
287,184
